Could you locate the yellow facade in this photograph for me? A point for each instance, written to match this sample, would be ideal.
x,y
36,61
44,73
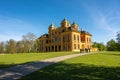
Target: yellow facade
x,y
94,49
67,37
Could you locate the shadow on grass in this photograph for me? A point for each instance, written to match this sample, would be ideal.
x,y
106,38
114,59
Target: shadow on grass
x,y
3,66
13,73
114,54
6,65
64,71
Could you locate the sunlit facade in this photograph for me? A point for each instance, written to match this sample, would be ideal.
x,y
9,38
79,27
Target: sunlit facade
x,y
67,37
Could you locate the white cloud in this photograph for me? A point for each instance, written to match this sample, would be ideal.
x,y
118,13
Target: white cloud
x,y
105,21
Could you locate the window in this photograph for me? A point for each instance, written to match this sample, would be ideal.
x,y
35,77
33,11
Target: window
x,y
87,39
55,32
74,46
58,39
78,46
46,41
55,39
41,42
78,37
63,39
63,30
68,47
74,37
59,32
68,37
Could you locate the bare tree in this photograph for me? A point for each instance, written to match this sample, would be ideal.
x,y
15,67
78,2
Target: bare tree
x,y
37,45
29,41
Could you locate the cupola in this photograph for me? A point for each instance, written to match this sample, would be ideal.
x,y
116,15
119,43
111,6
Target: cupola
x,y
52,27
74,25
65,23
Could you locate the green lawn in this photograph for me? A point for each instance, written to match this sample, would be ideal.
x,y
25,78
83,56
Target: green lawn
x,y
98,66
8,60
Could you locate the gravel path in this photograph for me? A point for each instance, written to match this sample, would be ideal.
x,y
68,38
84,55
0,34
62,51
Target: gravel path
x,y
19,71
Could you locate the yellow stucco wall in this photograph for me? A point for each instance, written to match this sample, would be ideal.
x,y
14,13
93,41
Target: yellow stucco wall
x,y
65,38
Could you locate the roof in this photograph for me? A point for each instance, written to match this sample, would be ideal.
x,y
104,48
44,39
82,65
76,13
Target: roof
x,y
44,35
85,32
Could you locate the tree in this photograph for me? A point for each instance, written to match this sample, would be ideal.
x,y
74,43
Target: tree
x,y
29,41
37,45
11,46
100,46
111,45
20,47
94,44
118,41
1,47
118,37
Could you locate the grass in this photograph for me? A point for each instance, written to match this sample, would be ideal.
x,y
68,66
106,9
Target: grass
x,y
99,66
8,60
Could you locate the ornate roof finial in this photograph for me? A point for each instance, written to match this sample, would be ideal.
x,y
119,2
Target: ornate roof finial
x,y
81,29
74,23
64,20
52,25
65,23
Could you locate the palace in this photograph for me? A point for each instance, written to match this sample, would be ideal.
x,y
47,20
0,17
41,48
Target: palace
x,y
67,37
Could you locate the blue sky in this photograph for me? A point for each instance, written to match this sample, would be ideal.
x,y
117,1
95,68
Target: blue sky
x,y
19,17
